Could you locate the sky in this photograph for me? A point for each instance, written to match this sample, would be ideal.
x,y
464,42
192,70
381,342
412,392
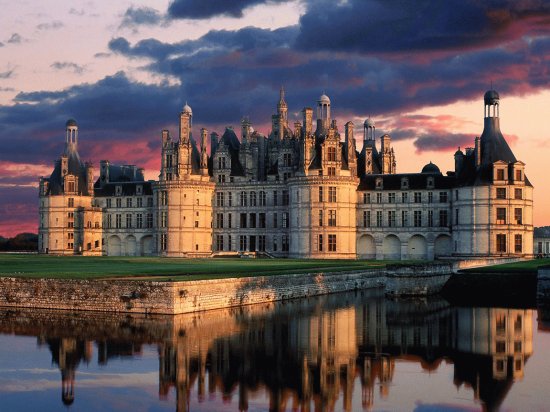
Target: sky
x,y
125,69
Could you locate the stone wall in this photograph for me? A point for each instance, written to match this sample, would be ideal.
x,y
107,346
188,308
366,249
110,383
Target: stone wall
x,y
135,296
415,280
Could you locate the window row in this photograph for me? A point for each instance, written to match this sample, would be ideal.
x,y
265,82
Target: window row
x,y
137,221
502,244
129,202
501,193
251,243
501,216
252,220
252,199
405,197
419,218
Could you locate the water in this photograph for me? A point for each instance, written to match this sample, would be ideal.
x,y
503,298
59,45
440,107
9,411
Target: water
x,y
346,352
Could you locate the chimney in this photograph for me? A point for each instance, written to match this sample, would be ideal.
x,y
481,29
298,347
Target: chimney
x,y
459,160
477,152
308,119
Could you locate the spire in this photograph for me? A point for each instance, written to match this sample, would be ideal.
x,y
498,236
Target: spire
x,y
282,95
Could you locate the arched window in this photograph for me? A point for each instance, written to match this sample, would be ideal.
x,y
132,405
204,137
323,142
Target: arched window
x,y
252,198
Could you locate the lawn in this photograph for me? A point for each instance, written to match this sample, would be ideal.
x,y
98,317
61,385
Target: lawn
x,y
91,267
523,267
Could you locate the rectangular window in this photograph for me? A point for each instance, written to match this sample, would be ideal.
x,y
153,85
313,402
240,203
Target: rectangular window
x,y
109,203
285,244
285,220
219,221
119,203
128,220
320,193
320,244
443,218
229,221
430,218
378,218
391,197
109,221
331,154
332,217
243,199
404,218
417,197
405,197
261,243
262,199
518,216
118,221
253,220
417,218
501,216
275,247
332,243
518,176
242,243
128,202
518,243
229,245
501,243
149,220
150,201
285,198
275,221
261,220
321,217
253,199
70,202
139,201
163,219
379,198
219,199
430,197
164,198
456,216
219,242
139,220
331,171
501,193
443,197
243,220
391,218
365,198
332,194
275,198
500,174
230,199
366,218
518,194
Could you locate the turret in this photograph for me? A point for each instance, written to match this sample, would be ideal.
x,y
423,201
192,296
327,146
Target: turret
x,y
459,161
71,135
323,113
90,178
186,122
369,130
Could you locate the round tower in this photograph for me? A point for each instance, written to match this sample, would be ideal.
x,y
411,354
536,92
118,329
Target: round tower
x,y
369,129
491,99
71,133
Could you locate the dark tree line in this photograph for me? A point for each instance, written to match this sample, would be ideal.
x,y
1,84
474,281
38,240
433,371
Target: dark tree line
x,y
22,241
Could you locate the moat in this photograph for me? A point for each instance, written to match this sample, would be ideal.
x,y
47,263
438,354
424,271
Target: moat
x,y
349,351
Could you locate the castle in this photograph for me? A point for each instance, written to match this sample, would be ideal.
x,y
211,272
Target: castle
x,y
299,192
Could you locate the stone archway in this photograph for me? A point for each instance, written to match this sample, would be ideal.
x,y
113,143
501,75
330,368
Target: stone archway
x,y
366,247
146,246
417,247
443,246
391,247
113,247
131,246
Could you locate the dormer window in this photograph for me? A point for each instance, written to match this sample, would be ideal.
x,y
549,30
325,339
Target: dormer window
x,y
379,183
500,174
430,183
139,189
404,183
118,190
331,154
221,162
518,176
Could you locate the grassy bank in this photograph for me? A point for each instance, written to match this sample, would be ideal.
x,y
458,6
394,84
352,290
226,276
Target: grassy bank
x,y
91,267
528,266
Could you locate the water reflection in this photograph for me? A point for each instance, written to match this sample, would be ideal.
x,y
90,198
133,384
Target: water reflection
x,y
305,355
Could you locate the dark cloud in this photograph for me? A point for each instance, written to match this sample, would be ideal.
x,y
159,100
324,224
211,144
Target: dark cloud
x,y
204,9
15,38
389,26
137,16
75,68
102,55
8,74
56,24
1,44
19,210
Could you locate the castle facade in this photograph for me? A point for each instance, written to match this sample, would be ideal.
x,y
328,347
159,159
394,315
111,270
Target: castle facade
x,y
301,192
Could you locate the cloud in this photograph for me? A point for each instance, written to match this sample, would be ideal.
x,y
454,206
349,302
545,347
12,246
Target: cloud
x,y
204,9
136,16
6,89
76,12
78,69
102,55
402,26
15,39
56,24
8,74
1,44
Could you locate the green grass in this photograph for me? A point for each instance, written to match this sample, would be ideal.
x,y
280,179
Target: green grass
x,y
517,267
91,267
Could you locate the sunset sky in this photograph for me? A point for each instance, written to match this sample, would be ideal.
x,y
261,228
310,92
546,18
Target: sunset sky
x,y
124,69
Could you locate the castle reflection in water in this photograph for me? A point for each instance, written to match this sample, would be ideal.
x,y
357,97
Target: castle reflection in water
x,y
305,355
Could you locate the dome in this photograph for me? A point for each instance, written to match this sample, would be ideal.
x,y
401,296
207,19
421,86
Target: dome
x,y
431,168
491,97
369,123
187,109
324,99
71,122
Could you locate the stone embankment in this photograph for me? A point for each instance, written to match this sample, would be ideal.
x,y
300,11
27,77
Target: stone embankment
x,y
154,297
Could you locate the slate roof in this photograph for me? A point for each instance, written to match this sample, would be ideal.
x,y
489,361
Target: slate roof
x,y
417,181
75,167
